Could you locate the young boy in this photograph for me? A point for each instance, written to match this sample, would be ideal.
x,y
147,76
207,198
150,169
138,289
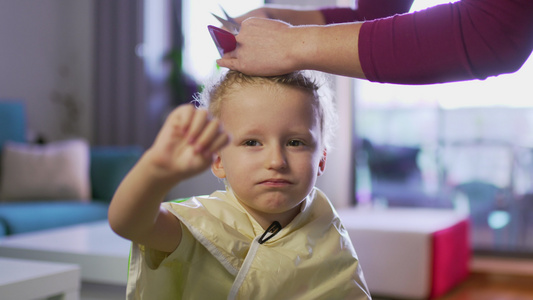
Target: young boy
x,y
271,234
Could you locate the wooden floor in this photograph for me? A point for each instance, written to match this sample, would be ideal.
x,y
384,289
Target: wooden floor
x,y
494,279
487,286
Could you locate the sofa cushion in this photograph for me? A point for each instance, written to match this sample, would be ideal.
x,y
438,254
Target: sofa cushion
x,y
3,228
12,122
109,165
55,171
20,217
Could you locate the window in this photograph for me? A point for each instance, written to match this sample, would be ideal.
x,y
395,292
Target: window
x,y
200,53
461,145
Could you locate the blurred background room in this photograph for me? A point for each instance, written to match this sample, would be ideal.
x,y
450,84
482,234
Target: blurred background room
x,y
109,71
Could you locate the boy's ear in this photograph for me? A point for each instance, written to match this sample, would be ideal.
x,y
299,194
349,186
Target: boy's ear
x,y
217,168
322,163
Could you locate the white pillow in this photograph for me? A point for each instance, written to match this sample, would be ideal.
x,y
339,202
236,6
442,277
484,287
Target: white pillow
x,y
57,171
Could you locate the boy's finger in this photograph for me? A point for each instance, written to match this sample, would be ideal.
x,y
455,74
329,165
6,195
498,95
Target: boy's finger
x,y
211,130
198,122
181,118
220,142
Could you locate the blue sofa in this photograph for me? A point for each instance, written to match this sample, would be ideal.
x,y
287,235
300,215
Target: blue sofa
x,y
108,165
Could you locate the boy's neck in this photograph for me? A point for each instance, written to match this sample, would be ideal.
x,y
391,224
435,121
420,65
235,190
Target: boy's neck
x,y
265,220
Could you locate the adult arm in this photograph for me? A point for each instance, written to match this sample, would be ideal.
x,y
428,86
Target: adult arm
x,y
469,39
288,14
366,10
268,47
458,41
183,148
273,47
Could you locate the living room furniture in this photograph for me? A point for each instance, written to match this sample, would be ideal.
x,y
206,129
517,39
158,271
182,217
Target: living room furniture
x,y
26,280
107,165
411,253
395,176
101,254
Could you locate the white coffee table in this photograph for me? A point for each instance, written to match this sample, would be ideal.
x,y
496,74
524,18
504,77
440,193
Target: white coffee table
x,y
25,280
101,254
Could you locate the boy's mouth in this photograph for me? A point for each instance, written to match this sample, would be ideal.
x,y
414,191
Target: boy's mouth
x,y
275,182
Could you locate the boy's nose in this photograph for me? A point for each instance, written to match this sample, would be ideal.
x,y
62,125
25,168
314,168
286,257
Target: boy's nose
x,y
276,159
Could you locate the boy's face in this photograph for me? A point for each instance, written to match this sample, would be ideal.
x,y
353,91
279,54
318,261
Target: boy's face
x,y
275,154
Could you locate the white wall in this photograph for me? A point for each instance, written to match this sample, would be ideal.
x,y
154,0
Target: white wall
x,y
45,48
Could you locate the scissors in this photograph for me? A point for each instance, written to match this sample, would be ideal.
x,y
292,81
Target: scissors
x,y
228,22
225,40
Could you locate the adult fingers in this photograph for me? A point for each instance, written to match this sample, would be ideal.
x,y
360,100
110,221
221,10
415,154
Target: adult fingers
x,y
230,63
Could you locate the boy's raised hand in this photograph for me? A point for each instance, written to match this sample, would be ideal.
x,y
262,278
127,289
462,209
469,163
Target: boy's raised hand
x,y
184,147
186,143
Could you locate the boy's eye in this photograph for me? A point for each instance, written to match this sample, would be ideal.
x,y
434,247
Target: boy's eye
x,y
251,143
295,143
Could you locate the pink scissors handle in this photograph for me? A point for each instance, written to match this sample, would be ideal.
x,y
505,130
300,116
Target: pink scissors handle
x,y
224,40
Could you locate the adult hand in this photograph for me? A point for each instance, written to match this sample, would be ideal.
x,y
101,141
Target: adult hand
x,y
291,15
261,13
271,47
264,47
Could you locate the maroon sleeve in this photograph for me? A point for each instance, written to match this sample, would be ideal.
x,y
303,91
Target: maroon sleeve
x,y
366,10
457,41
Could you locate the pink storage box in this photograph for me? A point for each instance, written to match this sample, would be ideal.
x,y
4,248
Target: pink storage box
x,y
412,253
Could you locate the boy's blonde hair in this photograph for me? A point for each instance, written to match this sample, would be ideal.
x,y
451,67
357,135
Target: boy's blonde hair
x,y
313,82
